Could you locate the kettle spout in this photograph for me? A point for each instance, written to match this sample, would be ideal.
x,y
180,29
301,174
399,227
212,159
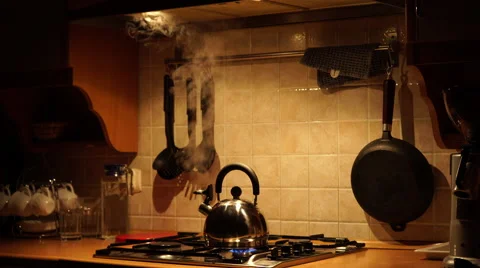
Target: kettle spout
x,y
205,207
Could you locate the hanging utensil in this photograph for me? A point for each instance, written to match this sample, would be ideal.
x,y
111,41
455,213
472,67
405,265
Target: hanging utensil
x,y
184,155
205,152
391,179
165,163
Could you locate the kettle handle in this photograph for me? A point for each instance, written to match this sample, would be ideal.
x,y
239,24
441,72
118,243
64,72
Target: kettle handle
x,y
242,167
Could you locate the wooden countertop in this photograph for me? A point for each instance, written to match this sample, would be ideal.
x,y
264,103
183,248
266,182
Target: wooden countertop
x,y
378,254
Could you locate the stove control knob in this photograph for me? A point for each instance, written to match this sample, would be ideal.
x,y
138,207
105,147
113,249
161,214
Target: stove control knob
x,y
308,247
297,248
275,253
286,251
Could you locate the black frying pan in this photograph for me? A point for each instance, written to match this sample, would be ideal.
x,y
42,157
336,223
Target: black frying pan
x,y
391,180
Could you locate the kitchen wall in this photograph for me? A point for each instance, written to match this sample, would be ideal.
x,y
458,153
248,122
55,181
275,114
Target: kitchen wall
x,y
302,142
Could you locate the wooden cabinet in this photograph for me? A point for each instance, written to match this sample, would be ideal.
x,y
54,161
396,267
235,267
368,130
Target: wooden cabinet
x,y
443,20
442,38
95,100
105,68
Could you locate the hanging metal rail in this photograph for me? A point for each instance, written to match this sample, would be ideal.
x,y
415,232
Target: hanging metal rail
x,y
256,56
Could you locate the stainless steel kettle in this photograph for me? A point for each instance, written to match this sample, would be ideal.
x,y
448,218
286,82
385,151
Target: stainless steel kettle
x,y
233,223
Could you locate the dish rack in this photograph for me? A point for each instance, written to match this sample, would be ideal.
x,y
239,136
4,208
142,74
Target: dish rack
x,y
38,226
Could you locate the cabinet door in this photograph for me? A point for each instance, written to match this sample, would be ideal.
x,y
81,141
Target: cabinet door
x,y
442,42
440,20
105,66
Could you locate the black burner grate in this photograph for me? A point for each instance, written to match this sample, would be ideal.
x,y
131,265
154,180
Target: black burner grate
x,y
190,248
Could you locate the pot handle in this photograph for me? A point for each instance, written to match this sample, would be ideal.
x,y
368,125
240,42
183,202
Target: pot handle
x,y
242,167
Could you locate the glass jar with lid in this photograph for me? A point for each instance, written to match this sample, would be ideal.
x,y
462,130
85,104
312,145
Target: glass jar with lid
x,y
115,188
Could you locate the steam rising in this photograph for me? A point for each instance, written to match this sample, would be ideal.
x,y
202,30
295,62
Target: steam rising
x,y
149,27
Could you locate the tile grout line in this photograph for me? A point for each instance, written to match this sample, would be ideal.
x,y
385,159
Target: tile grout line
x,y
277,108
224,93
338,151
309,148
251,63
151,132
338,166
369,112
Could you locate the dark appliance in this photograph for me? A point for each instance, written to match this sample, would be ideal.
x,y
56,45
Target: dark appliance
x,y
462,107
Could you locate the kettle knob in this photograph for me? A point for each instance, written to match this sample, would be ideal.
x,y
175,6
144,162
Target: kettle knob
x,y
236,192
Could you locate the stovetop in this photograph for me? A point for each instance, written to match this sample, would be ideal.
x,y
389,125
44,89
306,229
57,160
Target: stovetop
x,y
190,249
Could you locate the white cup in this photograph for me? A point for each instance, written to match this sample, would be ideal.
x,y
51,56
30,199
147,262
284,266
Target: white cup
x,y
42,203
18,203
4,198
67,197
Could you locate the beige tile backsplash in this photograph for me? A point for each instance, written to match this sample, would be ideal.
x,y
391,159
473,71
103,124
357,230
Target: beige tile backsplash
x,y
323,137
323,205
266,75
293,106
322,107
352,136
360,231
294,138
347,111
300,141
294,171
264,40
323,171
348,208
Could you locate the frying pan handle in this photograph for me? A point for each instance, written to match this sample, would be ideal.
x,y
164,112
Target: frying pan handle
x,y
398,227
168,108
388,102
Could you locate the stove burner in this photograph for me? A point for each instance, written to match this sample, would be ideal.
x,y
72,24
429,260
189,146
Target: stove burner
x,y
243,253
164,245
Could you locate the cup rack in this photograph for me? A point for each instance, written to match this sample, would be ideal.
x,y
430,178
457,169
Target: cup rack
x,y
38,226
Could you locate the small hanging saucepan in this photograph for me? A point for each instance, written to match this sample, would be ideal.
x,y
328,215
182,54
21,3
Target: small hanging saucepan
x,y
391,179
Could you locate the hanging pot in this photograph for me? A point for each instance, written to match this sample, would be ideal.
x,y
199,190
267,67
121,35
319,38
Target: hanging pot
x,y
391,179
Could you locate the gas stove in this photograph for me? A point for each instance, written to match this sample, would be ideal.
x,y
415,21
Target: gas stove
x,y
190,249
